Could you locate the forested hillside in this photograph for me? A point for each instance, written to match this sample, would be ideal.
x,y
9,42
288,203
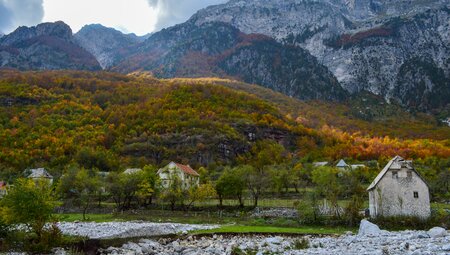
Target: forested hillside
x,y
111,121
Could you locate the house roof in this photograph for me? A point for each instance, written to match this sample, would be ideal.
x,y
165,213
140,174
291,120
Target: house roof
x,y
341,163
132,171
187,169
40,173
357,166
323,163
395,164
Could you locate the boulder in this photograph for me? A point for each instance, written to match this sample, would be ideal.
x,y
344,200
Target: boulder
x,y
446,247
437,232
368,228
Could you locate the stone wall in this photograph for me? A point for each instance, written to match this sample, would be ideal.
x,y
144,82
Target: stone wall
x,y
395,196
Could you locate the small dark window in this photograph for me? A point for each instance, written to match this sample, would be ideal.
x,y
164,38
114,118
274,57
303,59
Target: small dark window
x,y
410,174
394,174
416,194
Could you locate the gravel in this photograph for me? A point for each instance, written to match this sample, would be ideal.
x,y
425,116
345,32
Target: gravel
x,y
110,230
382,242
405,242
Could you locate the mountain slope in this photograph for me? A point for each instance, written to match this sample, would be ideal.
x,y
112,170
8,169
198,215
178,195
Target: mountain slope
x,y
106,44
366,44
113,121
47,46
218,49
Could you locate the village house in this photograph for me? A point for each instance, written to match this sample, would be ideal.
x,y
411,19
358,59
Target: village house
x,y
399,190
188,176
40,174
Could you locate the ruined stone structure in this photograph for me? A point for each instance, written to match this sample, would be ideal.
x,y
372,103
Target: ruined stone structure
x,y
399,190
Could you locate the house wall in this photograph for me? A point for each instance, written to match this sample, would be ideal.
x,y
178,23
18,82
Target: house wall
x,y
172,170
394,196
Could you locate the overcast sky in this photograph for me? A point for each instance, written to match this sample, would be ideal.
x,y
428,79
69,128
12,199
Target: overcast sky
x,y
129,16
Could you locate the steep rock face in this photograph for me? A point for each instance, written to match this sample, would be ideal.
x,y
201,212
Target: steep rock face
x,y
366,44
218,49
106,44
48,46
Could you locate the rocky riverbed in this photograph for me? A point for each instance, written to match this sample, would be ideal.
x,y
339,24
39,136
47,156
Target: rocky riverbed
x,y
109,230
369,240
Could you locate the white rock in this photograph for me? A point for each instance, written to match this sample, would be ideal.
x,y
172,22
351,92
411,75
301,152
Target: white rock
x,y
446,247
367,228
274,240
437,232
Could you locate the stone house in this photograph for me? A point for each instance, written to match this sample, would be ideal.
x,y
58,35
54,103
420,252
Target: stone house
x,y
188,176
40,174
399,190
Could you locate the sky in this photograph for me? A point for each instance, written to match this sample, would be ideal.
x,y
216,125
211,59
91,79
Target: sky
x,y
129,16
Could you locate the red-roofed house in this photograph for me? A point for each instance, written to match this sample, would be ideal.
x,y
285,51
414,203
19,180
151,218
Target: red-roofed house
x,y
188,176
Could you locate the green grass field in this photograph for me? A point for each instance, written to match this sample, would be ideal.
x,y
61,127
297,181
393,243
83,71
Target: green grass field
x,y
240,229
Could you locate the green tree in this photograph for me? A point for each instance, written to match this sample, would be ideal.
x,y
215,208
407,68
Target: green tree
x,y
174,193
231,184
28,203
327,185
200,193
149,186
261,157
80,186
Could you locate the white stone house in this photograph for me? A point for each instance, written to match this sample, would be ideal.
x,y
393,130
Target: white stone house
x,y
40,174
399,190
188,176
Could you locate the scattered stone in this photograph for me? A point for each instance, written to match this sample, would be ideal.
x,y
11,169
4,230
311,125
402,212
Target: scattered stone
x,y
107,230
274,213
437,232
367,228
446,247
422,235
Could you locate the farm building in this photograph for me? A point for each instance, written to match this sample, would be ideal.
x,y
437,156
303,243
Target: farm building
x,y
40,174
399,190
188,176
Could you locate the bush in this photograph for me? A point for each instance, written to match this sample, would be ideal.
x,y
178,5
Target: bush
x,y
50,238
301,244
308,210
438,218
30,204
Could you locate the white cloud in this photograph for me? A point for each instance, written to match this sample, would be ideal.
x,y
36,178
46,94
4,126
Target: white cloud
x,y
14,13
171,12
129,16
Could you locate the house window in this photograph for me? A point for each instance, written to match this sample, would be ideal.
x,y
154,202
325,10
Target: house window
x,y
416,194
394,174
410,174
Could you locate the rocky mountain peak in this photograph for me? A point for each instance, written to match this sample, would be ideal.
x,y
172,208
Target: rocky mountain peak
x,y
105,43
368,45
57,29
47,46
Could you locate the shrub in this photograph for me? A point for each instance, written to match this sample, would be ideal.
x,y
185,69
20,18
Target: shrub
x,y
301,244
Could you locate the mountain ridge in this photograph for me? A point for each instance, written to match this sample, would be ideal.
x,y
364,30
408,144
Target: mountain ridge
x,y
371,59
47,46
